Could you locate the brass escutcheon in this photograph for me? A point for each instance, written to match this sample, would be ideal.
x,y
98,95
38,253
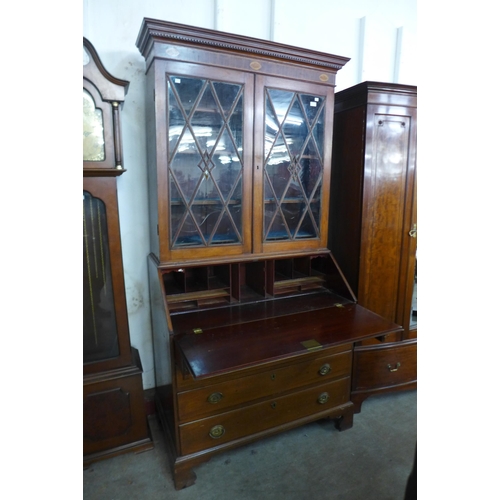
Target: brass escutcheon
x,y
326,368
215,397
217,431
323,398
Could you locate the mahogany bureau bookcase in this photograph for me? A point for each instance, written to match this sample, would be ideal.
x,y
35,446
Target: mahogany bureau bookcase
x,y
373,225
114,415
253,322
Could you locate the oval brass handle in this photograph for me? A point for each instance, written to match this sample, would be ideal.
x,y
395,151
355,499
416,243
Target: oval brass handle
x,y
215,397
395,369
413,231
326,368
217,431
323,398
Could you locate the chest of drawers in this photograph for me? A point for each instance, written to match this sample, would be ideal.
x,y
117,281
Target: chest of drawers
x,y
267,400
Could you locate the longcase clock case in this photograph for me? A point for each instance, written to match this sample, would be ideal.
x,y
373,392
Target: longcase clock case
x,y
114,417
254,323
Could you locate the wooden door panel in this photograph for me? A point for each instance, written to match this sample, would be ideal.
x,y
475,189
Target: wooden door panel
x,y
385,183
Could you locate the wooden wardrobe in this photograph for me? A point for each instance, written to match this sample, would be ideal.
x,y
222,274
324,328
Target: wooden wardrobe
x,y
373,225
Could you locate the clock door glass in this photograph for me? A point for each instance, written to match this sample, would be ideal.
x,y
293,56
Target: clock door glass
x,y
100,334
93,130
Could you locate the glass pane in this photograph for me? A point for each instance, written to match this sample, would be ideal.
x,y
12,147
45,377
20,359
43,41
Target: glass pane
x,y
413,316
176,126
100,335
235,125
295,129
294,164
275,223
187,91
206,119
93,130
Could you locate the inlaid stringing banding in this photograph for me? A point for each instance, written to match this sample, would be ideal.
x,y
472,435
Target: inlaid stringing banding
x,y
245,49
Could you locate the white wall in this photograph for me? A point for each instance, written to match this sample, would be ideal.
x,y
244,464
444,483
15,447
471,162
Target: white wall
x,y
379,37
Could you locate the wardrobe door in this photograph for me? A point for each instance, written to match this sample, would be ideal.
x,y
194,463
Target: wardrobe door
x,y
387,209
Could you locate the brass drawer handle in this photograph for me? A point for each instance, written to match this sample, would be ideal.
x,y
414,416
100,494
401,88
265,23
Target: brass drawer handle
x,y
326,368
217,431
323,398
215,397
395,369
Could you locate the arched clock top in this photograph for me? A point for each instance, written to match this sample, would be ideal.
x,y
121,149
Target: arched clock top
x,y
111,88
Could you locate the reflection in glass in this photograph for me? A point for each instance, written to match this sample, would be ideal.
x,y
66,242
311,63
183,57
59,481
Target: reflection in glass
x,y
100,335
413,316
294,165
205,161
93,130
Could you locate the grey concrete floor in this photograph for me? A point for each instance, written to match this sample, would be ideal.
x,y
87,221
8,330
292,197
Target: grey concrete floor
x,y
370,461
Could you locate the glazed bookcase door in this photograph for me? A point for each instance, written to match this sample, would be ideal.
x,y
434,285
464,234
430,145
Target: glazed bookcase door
x,y
207,164
293,139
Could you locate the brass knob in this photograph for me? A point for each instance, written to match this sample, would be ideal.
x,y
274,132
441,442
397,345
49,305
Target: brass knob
x,y
215,397
323,398
217,431
326,368
395,369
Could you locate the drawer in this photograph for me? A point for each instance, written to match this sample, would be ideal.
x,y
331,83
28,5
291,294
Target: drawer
x,y
228,426
384,366
213,398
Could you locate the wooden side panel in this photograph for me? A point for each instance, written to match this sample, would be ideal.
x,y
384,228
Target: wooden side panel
x,y
114,417
347,192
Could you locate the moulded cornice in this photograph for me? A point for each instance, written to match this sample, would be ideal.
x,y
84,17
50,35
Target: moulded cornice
x,y
95,72
152,30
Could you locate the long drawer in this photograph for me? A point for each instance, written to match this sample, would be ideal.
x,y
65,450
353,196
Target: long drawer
x,y
197,403
385,366
231,425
